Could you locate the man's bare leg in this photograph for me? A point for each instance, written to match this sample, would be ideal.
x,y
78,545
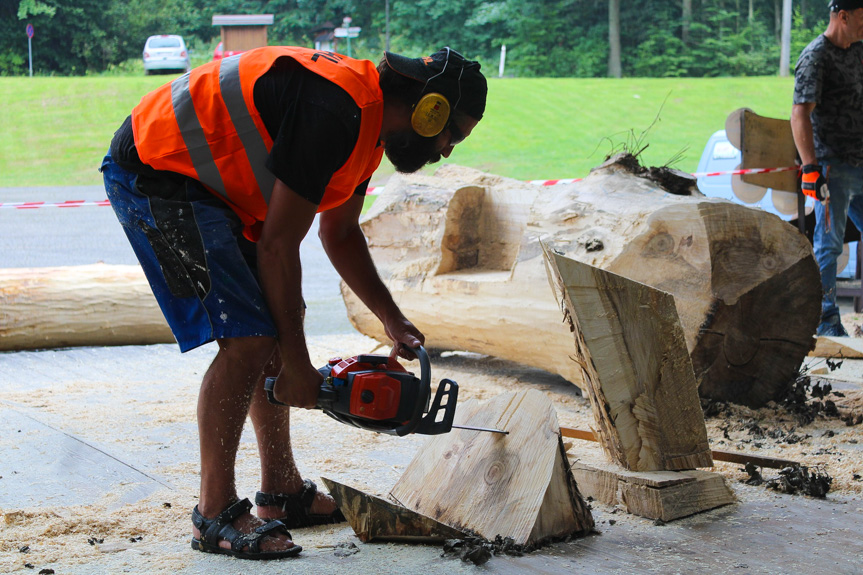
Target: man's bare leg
x,y
279,473
223,404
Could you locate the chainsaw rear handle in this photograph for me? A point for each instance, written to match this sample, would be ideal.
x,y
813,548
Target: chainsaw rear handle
x,y
425,393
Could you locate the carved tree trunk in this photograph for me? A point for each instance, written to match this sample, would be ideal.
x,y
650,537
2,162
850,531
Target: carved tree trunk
x,y
461,253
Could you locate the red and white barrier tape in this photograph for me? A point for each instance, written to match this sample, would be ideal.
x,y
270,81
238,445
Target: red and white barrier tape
x,y
66,204
746,171
376,190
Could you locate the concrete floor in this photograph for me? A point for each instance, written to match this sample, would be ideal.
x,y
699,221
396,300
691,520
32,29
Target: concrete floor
x,y
102,441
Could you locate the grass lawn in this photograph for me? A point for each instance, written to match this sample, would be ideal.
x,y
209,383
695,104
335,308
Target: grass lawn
x,y
56,130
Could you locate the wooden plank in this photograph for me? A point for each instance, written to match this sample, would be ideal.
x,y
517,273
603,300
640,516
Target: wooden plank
x,y
639,377
515,485
718,455
375,519
640,494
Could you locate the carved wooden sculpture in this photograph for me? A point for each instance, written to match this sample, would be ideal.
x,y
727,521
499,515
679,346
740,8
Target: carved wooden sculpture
x,y
461,253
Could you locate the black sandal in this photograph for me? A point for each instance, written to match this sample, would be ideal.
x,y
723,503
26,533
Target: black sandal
x,y
297,506
243,545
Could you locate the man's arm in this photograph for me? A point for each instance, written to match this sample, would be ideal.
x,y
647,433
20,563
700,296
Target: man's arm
x,y
801,127
347,249
289,217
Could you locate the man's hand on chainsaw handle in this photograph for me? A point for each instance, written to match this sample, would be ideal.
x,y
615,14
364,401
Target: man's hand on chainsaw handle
x,y
299,386
406,337
813,183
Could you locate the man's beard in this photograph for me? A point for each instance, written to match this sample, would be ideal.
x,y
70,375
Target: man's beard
x,y
408,151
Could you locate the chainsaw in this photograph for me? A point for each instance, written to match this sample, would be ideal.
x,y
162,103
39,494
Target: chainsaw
x,y
375,392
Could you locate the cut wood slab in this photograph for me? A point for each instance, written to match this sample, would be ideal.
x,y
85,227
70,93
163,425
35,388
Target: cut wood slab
x,y
665,495
461,251
375,519
95,304
639,378
517,485
838,347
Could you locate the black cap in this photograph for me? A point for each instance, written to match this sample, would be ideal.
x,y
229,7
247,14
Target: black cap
x,y
449,73
837,5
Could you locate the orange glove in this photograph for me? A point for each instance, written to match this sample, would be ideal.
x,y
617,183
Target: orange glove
x,y
814,184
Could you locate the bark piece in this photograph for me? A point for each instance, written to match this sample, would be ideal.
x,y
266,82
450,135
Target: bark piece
x,y
375,519
460,251
95,304
838,347
517,485
665,495
637,371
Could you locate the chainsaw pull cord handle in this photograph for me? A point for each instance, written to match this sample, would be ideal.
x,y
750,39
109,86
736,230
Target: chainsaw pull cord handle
x,y
424,392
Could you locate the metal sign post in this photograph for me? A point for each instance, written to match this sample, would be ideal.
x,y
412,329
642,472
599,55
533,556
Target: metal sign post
x,y
29,30
347,31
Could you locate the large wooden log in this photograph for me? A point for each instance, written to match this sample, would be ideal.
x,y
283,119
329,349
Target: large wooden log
x,y
95,304
460,252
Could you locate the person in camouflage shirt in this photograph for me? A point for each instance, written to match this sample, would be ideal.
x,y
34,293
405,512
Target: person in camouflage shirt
x,y
827,122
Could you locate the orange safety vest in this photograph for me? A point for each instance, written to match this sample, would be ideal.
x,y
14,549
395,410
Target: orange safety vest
x,y
205,125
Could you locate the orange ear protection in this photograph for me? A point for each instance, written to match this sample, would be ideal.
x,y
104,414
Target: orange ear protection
x,y
431,112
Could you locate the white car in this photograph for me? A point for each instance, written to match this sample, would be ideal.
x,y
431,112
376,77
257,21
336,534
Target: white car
x,y
165,52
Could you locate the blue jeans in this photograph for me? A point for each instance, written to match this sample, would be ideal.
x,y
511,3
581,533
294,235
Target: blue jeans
x,y
845,183
202,270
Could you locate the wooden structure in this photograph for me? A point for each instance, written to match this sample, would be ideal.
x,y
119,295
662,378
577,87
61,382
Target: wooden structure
x,y
242,32
517,485
95,304
637,372
461,253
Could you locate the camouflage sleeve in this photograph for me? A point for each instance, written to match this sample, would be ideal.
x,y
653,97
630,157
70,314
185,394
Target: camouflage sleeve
x,y
807,77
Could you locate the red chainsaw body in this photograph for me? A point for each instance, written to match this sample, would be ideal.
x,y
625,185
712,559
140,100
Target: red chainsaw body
x,y
374,393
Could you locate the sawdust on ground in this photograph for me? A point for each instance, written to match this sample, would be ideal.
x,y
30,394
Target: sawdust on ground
x,y
157,528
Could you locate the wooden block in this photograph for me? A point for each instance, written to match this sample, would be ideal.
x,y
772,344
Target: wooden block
x,y
642,389
517,485
665,495
375,519
838,347
768,143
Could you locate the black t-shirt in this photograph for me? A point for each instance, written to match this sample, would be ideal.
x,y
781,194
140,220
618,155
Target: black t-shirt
x,y
313,122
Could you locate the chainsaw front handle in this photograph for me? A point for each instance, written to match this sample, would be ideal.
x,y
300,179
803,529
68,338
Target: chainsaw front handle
x,y
425,393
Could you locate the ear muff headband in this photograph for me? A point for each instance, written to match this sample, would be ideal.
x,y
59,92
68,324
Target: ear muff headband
x,y
430,115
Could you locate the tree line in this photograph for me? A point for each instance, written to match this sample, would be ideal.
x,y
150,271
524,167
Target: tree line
x,y
544,38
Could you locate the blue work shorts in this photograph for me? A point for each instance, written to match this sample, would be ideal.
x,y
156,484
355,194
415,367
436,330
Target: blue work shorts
x,y
202,270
